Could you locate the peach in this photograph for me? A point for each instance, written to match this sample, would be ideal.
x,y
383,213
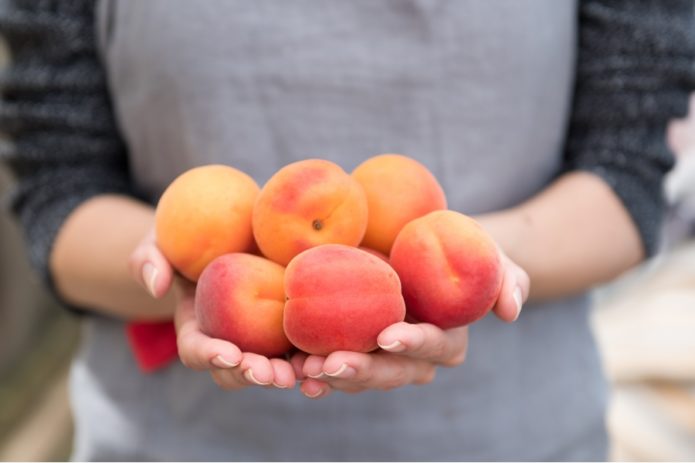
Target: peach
x,y
240,298
399,189
449,267
204,213
305,204
340,298
374,252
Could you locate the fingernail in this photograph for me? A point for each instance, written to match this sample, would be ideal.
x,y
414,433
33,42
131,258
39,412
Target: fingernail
x,y
517,299
319,376
345,371
221,362
248,374
279,386
395,346
149,275
315,394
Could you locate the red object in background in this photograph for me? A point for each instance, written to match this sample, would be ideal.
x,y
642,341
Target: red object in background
x,y
153,344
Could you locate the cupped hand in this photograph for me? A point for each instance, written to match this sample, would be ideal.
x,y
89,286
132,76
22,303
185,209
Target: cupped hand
x,y
229,367
409,352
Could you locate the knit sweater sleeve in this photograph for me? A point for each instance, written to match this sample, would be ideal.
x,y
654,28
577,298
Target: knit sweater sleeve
x,y
59,134
634,73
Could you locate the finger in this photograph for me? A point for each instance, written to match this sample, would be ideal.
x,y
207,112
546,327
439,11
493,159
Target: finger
x,y
254,370
150,268
425,341
283,373
515,290
230,379
381,370
313,366
315,389
198,351
297,361
257,369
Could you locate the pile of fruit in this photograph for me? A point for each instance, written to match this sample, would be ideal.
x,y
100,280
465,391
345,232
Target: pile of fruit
x,y
322,260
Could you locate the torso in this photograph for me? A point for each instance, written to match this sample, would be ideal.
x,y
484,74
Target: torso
x,y
478,91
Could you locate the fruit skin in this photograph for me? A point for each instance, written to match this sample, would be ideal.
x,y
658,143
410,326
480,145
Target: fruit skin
x,y
204,213
305,204
450,269
240,298
340,298
399,189
374,252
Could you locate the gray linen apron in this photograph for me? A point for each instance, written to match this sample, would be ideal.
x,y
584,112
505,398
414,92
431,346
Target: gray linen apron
x,y
478,91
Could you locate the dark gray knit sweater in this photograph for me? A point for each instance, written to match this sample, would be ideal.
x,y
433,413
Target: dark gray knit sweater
x,y
635,69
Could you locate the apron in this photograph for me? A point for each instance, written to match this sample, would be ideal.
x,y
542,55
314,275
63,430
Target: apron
x,y
478,91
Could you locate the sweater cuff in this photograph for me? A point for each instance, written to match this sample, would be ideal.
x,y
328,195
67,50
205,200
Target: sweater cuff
x,y
644,204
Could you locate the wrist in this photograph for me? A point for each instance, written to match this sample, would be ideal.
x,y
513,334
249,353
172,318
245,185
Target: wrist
x,y
508,228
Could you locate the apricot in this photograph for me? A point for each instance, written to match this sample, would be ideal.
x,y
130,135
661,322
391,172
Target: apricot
x,y
305,204
399,189
340,298
240,298
205,213
450,269
374,252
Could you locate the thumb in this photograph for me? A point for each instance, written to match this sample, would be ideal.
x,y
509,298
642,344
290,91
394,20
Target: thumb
x,y
150,268
515,290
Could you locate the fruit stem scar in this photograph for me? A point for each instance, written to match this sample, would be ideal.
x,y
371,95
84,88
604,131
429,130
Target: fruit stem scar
x,y
317,224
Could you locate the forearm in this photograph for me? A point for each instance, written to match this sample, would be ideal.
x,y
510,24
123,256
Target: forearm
x,y
89,260
573,235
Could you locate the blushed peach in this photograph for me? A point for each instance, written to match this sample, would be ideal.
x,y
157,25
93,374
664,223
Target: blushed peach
x,y
450,269
340,298
240,298
399,189
305,204
204,213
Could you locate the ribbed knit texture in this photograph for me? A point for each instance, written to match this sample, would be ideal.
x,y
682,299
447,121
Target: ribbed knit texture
x,y
635,70
636,67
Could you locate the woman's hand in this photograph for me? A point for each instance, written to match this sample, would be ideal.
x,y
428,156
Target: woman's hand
x,y
229,367
409,354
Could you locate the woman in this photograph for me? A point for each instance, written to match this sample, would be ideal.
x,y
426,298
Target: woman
x,y
542,119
